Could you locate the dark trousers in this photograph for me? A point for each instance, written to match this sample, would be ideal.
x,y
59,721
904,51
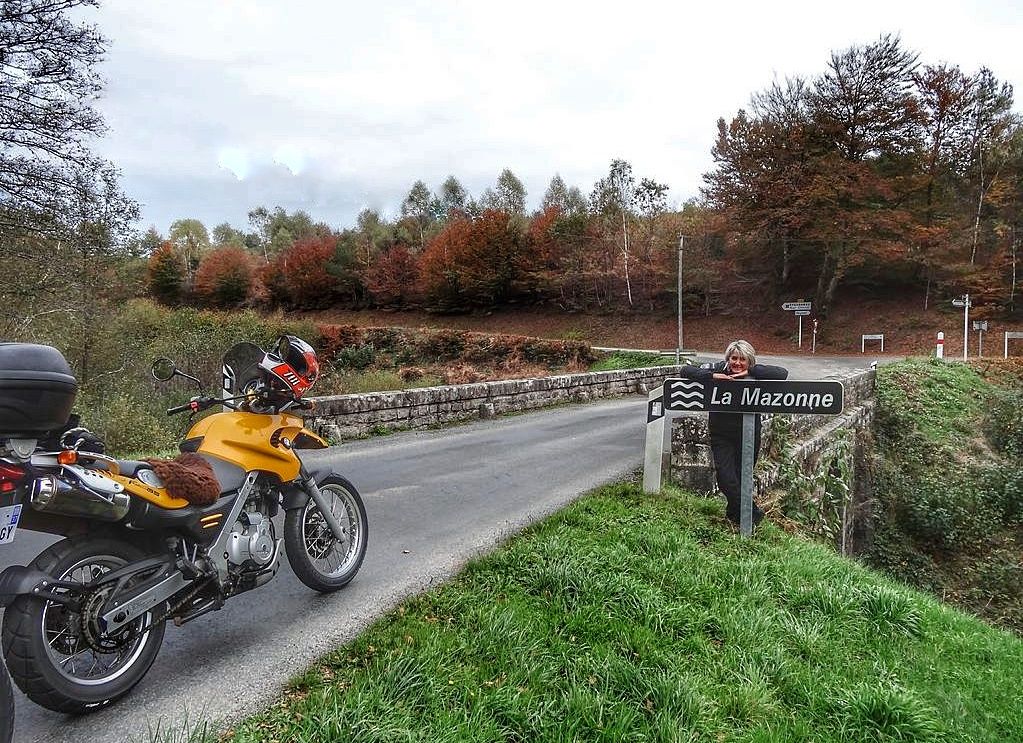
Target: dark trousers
x,y
728,467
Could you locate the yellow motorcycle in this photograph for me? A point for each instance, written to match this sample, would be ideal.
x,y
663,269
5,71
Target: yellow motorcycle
x,y
86,618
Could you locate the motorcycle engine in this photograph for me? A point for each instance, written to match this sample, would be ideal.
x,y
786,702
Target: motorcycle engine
x,y
252,541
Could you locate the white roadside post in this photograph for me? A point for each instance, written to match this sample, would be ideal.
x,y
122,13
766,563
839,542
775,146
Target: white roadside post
x,y
939,352
813,348
658,441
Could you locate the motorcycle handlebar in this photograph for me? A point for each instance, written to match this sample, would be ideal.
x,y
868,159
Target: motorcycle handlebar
x,y
195,404
201,403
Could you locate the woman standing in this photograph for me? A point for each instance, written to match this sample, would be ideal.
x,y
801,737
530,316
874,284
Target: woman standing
x,y
726,428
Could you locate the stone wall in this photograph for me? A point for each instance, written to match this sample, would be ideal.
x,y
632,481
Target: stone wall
x,y
349,416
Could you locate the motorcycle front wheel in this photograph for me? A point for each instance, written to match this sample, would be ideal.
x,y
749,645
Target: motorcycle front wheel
x,y
319,559
6,706
45,645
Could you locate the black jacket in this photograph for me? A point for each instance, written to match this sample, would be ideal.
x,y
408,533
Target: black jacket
x,y
729,425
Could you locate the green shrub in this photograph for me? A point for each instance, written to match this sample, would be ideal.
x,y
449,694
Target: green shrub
x,y
356,357
630,360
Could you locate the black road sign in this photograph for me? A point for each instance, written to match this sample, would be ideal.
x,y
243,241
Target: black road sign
x,y
753,396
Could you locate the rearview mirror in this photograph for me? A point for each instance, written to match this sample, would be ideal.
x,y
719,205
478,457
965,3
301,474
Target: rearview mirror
x,y
164,369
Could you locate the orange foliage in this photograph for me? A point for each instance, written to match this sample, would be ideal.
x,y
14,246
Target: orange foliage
x,y
471,262
304,271
391,279
225,277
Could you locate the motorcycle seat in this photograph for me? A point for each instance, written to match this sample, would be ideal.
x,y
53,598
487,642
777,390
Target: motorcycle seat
x,y
131,467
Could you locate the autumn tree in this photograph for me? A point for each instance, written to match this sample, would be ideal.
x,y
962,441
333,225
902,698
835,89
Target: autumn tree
x,y
472,263
224,277
655,246
821,170
991,129
304,271
392,277
166,275
945,96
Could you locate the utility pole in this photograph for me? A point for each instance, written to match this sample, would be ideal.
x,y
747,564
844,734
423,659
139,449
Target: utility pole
x,y
964,302
678,350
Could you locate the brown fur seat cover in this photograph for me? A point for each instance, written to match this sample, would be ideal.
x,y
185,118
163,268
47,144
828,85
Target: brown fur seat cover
x,y
188,476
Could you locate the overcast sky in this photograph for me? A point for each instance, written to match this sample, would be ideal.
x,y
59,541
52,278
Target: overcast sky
x,y
218,106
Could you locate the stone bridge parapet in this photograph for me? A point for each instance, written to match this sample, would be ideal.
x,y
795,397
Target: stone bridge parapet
x,y
350,416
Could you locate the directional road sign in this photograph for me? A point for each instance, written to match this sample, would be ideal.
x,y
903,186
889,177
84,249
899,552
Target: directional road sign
x,y
754,396
802,313
798,306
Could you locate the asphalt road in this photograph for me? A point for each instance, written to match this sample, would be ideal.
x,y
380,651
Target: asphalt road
x,y
435,499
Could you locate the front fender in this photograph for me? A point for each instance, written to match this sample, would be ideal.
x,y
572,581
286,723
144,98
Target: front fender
x,y
292,494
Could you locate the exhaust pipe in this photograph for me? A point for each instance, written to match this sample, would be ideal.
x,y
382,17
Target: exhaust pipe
x,y
52,495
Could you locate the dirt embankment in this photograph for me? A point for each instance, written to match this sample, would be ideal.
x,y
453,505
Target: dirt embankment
x,y
908,329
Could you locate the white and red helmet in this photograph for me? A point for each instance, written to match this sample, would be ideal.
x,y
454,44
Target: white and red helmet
x,y
293,363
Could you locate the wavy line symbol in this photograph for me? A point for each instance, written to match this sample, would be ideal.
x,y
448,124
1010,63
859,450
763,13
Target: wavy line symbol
x,y
686,395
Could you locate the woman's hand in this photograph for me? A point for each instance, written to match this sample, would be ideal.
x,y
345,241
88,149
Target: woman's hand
x,y
723,376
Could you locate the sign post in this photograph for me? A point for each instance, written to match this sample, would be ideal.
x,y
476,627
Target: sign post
x,y
745,397
801,310
1010,334
980,326
939,352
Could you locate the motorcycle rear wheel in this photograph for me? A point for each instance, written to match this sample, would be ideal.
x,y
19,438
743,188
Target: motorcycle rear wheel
x,y
43,642
319,560
6,706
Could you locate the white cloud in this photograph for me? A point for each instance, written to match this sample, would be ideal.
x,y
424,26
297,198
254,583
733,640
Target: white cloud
x,y
236,160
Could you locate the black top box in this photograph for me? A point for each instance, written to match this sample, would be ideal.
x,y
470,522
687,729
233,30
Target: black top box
x,y
37,390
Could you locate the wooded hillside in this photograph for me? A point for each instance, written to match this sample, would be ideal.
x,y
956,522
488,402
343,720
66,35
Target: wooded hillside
x,y
881,172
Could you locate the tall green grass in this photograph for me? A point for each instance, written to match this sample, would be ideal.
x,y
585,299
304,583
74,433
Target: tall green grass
x,y
629,617
631,360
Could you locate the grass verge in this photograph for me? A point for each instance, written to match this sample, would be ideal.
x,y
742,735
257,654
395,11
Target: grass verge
x,y
628,617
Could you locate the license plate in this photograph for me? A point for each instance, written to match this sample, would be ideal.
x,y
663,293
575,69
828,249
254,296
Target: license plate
x,y
9,516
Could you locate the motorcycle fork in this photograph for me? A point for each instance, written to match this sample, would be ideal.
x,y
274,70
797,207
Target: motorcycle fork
x,y
310,487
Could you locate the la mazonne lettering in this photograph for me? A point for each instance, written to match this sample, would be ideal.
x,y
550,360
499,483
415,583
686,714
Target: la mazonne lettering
x,y
758,397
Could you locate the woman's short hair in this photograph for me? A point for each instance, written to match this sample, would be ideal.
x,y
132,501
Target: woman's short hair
x,y
742,348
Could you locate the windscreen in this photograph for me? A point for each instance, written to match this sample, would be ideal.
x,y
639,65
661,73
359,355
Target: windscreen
x,y
241,367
